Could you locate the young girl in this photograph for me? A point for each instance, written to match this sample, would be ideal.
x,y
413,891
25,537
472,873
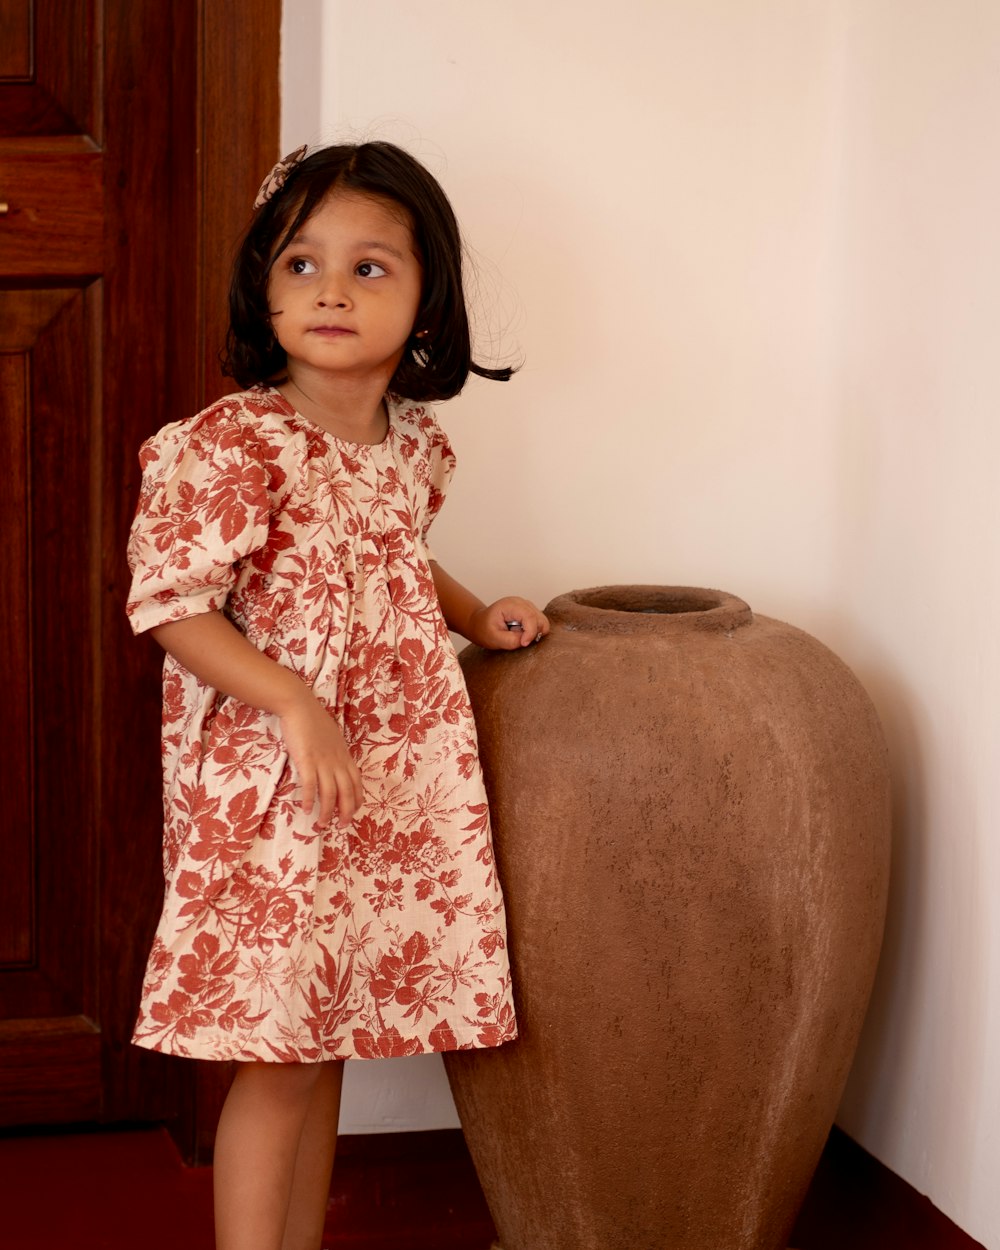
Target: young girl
x,y
330,890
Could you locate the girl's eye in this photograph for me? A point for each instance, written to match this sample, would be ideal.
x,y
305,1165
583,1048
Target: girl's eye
x,y
369,269
301,266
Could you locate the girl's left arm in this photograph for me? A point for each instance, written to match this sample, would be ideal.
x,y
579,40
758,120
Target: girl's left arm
x,y
491,626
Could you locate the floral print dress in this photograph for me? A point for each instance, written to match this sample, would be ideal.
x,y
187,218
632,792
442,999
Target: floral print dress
x,y
281,940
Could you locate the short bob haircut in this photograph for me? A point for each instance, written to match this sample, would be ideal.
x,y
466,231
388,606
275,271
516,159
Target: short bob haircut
x,y
434,366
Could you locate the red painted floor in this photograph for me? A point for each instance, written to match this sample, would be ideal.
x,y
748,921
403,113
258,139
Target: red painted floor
x,y
130,1191
92,1192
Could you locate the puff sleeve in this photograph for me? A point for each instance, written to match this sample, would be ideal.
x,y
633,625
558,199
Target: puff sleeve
x,y
439,470
204,505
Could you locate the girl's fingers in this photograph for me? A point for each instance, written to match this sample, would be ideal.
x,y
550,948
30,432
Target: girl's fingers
x,y
328,803
507,638
518,623
342,795
340,798
535,627
328,777
317,784
308,783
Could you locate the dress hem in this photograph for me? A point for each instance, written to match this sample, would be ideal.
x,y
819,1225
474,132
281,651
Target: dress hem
x,y
463,1041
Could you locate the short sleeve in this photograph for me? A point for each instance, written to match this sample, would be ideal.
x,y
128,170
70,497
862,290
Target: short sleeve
x,y
204,505
440,470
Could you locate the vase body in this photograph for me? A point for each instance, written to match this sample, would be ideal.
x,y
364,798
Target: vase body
x,y
691,819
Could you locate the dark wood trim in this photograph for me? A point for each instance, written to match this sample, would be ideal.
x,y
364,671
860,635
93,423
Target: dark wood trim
x,y
73,1045
145,249
239,51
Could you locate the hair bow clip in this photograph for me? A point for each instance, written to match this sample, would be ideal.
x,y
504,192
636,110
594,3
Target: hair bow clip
x,y
275,180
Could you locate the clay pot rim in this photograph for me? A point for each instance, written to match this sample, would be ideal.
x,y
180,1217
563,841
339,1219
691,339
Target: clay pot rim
x,y
635,609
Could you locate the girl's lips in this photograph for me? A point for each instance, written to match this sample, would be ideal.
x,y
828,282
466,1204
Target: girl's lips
x,y
331,331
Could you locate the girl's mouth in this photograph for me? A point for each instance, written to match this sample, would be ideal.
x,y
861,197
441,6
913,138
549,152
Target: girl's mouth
x,y
331,331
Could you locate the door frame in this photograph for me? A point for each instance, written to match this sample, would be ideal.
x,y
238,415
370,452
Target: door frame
x,y
179,190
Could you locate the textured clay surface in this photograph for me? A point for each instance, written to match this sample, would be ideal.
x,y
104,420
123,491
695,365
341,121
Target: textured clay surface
x,y
691,813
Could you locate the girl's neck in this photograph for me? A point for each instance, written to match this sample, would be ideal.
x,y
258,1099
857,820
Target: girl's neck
x,y
353,410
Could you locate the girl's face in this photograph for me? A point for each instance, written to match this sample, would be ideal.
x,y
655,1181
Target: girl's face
x,y
344,293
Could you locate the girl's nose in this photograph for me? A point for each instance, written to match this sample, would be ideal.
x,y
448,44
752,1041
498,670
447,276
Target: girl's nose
x,y
333,293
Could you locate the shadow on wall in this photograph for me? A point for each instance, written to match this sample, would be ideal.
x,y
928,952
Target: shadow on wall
x,y
900,1041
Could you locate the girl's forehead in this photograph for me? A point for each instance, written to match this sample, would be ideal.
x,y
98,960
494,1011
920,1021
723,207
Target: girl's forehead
x,y
359,217
358,207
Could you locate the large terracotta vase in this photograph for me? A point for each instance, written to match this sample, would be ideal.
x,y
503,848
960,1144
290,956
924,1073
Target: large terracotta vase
x,y
691,815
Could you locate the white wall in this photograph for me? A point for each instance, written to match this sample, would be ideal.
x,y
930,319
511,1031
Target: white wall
x,y
748,251
917,552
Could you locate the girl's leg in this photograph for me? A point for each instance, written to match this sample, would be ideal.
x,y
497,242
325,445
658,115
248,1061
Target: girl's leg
x,y
314,1163
255,1152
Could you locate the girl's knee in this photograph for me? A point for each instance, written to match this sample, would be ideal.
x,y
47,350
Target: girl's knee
x,y
288,1079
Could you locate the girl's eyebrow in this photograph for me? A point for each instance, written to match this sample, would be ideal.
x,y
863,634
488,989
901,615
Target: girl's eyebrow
x,y
385,247
304,240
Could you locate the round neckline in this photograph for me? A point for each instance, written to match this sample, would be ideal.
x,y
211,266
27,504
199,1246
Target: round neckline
x,y
289,409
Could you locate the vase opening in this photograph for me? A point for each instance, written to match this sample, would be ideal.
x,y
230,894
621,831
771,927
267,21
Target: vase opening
x,y
649,600
625,609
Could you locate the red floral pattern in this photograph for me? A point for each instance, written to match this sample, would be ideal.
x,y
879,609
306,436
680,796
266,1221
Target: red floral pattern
x,y
280,940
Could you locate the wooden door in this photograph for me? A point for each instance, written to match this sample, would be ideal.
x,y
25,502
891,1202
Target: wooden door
x,y
132,136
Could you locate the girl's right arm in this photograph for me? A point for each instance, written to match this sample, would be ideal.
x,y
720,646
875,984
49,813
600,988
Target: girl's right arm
x,y
213,649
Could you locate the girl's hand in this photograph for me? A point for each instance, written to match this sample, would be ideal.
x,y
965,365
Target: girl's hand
x,y
508,624
321,759
212,648
503,626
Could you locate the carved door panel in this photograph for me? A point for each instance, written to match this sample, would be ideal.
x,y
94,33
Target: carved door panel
x,y
51,265
109,274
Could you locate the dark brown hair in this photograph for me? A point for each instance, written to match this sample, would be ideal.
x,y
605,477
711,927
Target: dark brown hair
x,y
433,367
